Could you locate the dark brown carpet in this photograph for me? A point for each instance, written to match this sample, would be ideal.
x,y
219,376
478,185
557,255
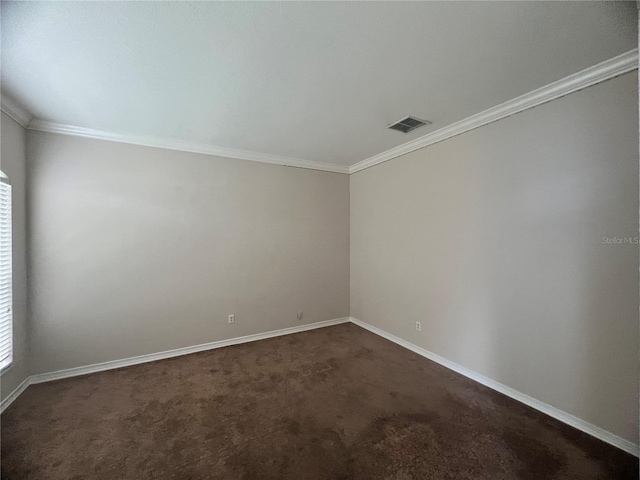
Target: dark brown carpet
x,y
334,403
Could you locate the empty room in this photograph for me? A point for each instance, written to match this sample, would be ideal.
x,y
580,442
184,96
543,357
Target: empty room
x,y
319,240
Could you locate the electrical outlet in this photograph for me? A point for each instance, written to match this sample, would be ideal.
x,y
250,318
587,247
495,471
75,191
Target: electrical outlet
x,y
418,326
300,315
232,319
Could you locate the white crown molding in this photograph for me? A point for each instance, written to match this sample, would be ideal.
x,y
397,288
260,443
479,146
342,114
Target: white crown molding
x,y
184,146
598,73
554,412
11,108
601,72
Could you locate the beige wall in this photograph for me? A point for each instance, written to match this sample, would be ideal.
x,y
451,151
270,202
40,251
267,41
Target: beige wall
x,y
137,250
13,164
494,241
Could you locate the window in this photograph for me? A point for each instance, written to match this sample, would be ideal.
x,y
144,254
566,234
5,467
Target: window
x,y
6,317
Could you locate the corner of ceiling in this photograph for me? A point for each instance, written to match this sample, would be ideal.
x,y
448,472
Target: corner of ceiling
x,y
15,111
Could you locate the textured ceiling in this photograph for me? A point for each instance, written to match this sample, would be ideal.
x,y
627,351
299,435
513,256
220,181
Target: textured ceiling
x,y
316,81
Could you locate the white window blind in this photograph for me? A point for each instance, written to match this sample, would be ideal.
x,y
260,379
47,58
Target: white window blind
x,y
6,307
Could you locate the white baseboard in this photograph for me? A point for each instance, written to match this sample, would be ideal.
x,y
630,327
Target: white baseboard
x,y
8,400
556,413
152,357
101,367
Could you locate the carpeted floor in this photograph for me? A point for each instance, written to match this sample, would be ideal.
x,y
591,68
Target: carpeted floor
x,y
334,403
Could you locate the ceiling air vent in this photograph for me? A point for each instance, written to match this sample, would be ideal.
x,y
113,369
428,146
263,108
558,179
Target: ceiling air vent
x,y
408,124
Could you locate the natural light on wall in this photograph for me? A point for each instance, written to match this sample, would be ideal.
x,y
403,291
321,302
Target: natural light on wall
x,y
6,336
